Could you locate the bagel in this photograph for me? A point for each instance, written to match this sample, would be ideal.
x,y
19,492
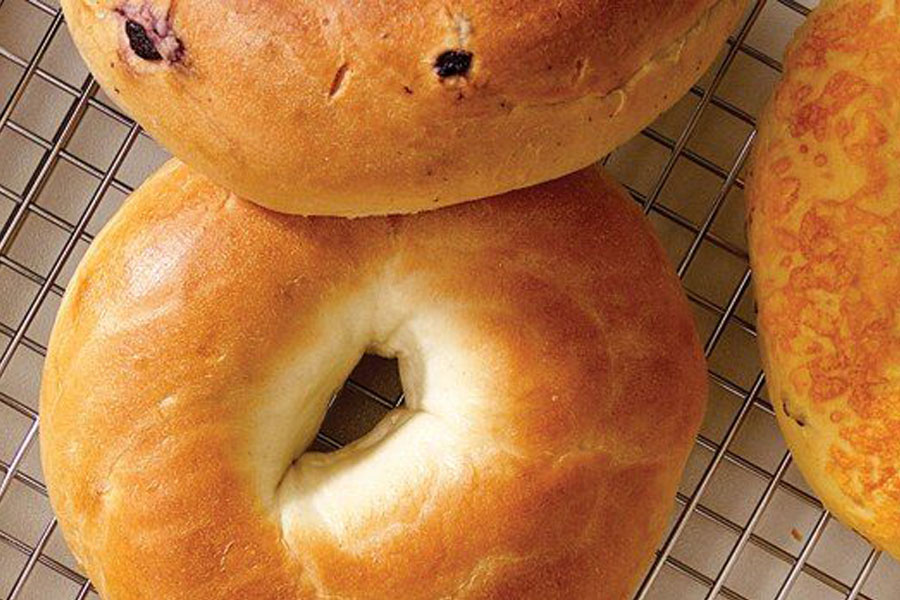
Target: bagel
x,y
824,231
350,108
553,385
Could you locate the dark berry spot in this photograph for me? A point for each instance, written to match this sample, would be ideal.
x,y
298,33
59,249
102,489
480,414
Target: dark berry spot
x,y
453,63
407,89
140,42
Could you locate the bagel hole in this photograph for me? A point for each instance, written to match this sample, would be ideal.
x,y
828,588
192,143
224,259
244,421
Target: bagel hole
x,y
371,391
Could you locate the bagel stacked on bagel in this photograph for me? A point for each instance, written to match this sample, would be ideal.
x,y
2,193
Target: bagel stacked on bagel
x,y
360,108
553,378
824,209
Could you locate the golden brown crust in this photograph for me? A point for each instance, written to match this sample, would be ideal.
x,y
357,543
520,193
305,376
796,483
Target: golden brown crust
x,y
825,237
548,356
323,108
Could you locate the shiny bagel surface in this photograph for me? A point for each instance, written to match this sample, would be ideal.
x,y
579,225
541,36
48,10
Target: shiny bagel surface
x,y
553,379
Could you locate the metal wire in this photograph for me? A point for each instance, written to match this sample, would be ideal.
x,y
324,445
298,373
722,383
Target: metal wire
x,y
701,233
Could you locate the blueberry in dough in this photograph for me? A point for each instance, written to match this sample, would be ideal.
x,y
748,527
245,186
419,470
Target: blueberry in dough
x,y
453,63
140,42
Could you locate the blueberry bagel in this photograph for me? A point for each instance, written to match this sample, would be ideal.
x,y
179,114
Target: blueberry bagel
x,y
356,108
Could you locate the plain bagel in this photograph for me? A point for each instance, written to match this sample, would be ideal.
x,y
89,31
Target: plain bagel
x,y
356,108
825,242
551,368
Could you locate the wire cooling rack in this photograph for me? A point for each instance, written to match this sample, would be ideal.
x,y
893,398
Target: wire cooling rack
x,y
746,525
